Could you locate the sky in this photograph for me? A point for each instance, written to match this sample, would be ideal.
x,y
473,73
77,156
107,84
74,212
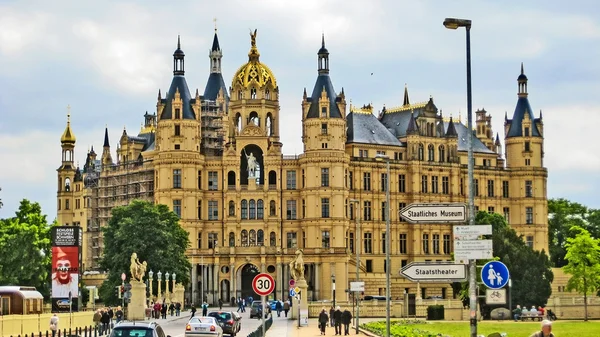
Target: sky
x,y
108,59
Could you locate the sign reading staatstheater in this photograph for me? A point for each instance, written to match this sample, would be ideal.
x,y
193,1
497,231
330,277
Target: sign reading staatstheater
x,y
66,259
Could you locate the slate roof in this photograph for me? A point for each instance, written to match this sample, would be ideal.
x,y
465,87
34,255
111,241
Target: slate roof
x,y
462,130
522,108
323,81
214,84
366,128
215,45
178,83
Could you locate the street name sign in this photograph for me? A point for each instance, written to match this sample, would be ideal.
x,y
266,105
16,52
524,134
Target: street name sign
x,y
434,272
472,230
472,249
357,286
434,213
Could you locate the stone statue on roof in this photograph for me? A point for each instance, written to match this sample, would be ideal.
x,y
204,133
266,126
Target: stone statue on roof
x,y
253,38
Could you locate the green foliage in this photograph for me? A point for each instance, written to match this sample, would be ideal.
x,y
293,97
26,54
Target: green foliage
x,y
151,231
1,204
402,328
435,312
25,245
562,216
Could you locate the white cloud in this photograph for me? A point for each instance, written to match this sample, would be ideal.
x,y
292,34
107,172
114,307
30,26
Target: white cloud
x,y
21,31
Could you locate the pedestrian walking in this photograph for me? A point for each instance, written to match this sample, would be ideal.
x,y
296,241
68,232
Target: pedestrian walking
x,y
220,304
331,312
278,307
337,321
346,320
204,309
286,307
54,324
323,320
119,314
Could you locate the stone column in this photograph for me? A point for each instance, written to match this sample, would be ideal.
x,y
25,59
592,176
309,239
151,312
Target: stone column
x,y
216,283
231,282
318,294
281,286
211,283
194,283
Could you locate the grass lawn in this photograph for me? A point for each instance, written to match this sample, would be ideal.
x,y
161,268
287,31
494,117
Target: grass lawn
x,y
513,329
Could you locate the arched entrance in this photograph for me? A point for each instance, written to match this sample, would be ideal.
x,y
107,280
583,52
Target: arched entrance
x,y
247,273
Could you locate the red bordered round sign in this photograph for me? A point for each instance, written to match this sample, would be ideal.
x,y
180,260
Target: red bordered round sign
x,y
263,284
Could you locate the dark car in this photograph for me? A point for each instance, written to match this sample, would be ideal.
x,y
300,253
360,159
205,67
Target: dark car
x,y
137,329
230,321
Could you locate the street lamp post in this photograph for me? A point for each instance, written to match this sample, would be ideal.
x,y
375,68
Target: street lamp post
x,y
357,238
159,275
452,23
333,285
167,279
150,274
387,246
173,287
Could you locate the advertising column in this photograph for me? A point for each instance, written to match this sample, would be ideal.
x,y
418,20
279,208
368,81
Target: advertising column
x,y
65,268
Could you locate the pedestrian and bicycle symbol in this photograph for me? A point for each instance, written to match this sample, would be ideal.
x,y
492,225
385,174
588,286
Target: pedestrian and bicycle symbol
x,y
495,275
292,292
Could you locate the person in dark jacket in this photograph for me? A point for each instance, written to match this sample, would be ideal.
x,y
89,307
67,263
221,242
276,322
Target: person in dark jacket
x,y
323,320
278,307
163,310
337,320
105,320
193,311
331,312
119,314
346,319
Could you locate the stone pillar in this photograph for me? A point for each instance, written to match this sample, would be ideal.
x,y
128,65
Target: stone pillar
x,y
281,285
216,283
194,283
318,294
232,284
303,307
136,309
211,284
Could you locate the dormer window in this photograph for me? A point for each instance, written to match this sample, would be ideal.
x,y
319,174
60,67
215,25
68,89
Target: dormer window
x,y
526,132
267,94
177,114
324,112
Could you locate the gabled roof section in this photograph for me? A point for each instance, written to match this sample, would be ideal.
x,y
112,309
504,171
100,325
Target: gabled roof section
x,y
451,130
213,85
462,132
178,84
365,128
516,126
323,83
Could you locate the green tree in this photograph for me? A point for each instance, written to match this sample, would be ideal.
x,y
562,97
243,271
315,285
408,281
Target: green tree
x,y
583,256
151,231
562,215
25,246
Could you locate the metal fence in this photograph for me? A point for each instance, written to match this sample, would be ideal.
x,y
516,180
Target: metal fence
x,y
258,332
91,331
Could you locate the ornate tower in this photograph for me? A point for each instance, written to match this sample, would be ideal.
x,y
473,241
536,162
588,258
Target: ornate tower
x,y
254,118
66,175
484,128
106,157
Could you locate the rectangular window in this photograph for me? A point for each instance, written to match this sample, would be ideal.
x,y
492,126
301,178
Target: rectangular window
x,y
177,130
384,182
526,132
445,185
177,147
291,180
383,244
292,240
383,211
527,162
303,208
367,181
403,242
291,209
325,239
324,177
436,243
425,243
325,207
367,211
529,215
213,210
324,128
177,114
350,180
351,242
199,209
505,185
177,207
434,184
369,266
199,240
490,188
491,209
351,211
213,240
423,184
476,187
199,179
506,212
530,241
213,180
177,178
528,189
323,112
462,186
402,183
527,147
446,244
368,243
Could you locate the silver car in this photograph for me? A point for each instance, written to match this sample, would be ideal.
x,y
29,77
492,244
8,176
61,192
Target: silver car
x,y
203,326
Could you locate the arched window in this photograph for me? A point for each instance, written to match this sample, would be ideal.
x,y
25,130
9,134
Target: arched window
x,y
430,153
272,178
421,154
244,238
267,94
240,94
272,239
260,209
253,118
269,124
231,239
244,209
238,122
67,184
260,237
272,208
231,208
442,153
253,93
231,179
252,237
252,209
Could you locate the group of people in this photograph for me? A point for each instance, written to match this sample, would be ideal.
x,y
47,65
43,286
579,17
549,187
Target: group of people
x,y
282,306
103,318
159,310
519,313
336,318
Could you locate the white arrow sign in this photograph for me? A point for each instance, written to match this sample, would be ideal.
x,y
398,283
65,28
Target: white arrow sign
x,y
472,230
472,249
432,272
430,213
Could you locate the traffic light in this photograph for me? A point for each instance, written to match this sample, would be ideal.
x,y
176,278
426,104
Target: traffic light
x,y
119,291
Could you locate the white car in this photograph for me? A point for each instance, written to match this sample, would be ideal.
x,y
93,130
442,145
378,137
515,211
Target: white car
x,y
203,326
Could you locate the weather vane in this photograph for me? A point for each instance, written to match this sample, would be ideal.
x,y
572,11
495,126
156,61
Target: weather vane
x,y
215,21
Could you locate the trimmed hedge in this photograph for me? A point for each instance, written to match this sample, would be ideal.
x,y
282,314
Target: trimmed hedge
x,y
435,312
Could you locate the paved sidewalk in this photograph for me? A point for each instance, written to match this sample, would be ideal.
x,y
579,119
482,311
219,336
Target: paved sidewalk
x,y
284,327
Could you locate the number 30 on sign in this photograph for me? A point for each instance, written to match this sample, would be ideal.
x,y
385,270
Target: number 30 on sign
x,y
263,284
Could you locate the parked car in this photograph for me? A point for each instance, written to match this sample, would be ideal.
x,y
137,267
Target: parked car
x,y
137,328
230,321
256,309
203,326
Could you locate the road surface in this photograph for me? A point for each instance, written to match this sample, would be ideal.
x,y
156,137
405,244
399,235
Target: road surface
x,y
176,327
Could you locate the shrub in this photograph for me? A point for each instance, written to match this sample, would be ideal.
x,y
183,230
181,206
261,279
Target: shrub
x,y
435,312
397,329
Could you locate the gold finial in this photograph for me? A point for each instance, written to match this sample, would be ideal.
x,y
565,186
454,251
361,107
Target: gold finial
x,y
215,21
67,136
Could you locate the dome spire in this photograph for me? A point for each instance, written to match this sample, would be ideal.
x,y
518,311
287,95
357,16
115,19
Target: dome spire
x,y
253,55
68,136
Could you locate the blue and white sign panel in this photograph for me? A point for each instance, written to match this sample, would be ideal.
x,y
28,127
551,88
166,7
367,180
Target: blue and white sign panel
x,y
495,275
292,292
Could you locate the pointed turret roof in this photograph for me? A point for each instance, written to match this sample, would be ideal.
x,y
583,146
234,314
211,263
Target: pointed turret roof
x,y
523,108
497,142
406,100
106,142
412,125
178,84
451,131
215,44
323,83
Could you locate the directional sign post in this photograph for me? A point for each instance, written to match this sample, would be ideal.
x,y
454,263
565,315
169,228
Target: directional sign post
x,y
495,275
434,213
472,230
357,286
263,284
434,272
472,249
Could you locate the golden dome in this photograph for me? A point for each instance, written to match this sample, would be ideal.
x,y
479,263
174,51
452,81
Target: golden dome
x,y
68,136
254,72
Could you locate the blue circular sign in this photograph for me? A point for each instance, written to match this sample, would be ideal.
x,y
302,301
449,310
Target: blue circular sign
x,y
495,275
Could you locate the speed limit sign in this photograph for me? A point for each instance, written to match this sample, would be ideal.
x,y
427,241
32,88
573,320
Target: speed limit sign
x,y
263,284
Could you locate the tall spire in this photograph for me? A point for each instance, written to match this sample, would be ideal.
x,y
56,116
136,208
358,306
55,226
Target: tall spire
x,y
178,59
106,142
406,100
215,54
522,83
323,57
